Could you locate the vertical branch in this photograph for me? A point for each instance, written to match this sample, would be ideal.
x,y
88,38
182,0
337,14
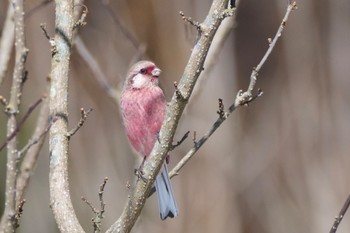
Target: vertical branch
x,y
58,142
12,109
6,42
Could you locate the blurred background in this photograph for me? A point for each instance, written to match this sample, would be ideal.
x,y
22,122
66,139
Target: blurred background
x,y
279,165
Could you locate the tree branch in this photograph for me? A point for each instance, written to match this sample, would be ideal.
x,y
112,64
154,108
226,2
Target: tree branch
x,y
58,142
241,98
140,192
8,223
84,114
340,216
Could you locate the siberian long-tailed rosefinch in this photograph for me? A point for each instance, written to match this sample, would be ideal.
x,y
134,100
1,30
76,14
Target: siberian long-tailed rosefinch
x,y
143,107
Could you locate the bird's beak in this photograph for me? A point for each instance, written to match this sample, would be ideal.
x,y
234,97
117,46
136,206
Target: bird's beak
x,y
156,72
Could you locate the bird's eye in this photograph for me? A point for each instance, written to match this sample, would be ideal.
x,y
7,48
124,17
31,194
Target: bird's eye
x,y
143,71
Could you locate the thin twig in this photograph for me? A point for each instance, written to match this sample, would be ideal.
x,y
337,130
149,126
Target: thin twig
x,y
241,99
196,24
340,216
178,143
20,124
97,220
198,144
82,20
50,39
83,116
35,139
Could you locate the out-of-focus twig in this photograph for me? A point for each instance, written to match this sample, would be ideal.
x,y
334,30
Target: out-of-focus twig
x,y
37,7
96,69
8,223
31,151
21,122
340,216
6,42
124,30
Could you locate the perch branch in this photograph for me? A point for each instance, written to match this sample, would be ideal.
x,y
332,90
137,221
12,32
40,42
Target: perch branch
x,y
139,193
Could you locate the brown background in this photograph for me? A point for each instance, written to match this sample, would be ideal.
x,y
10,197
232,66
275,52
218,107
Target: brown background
x,y
279,165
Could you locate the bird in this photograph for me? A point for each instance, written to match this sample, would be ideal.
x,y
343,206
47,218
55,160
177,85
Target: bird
x,y
143,107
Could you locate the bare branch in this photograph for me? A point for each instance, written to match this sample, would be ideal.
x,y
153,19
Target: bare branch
x,y
198,144
340,216
50,39
6,42
84,114
60,200
191,21
19,74
97,220
241,99
180,141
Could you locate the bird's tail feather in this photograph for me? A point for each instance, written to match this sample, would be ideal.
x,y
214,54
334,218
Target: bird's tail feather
x,y
166,200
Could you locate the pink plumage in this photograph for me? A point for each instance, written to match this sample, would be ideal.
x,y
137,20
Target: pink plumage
x,y
143,108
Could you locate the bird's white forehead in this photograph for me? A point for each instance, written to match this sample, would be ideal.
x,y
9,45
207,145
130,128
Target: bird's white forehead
x,y
139,81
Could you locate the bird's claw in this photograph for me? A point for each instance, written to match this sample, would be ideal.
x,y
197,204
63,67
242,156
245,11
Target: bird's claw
x,y
140,174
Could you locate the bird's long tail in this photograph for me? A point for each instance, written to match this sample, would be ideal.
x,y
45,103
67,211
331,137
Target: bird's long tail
x,y
166,199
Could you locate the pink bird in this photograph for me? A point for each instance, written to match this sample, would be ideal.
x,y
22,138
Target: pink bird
x,y
143,108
